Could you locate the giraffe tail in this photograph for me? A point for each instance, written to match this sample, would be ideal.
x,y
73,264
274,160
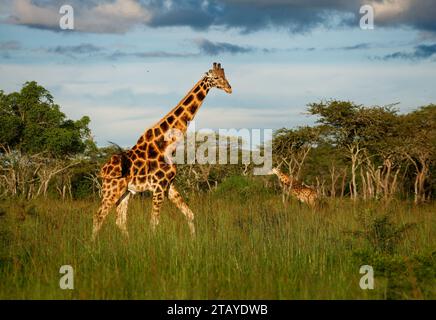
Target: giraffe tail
x,y
125,161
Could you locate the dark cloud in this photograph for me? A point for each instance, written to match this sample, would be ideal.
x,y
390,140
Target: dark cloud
x,y
84,48
7,46
206,47
10,45
116,16
358,46
249,16
216,48
149,54
420,52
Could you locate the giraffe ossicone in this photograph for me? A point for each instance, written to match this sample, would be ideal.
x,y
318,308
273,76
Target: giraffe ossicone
x,y
145,167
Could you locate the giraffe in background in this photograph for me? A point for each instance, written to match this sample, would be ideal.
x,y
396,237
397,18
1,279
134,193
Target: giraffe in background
x,y
305,194
146,166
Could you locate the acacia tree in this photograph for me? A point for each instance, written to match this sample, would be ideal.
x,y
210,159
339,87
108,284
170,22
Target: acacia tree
x,y
356,131
419,147
37,141
292,146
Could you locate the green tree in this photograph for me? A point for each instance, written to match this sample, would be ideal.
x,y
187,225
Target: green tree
x,y
419,147
39,144
30,122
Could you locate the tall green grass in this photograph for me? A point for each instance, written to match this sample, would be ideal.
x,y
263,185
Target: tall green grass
x,y
249,245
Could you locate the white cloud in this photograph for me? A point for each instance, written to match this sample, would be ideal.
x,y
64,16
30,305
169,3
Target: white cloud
x,y
25,12
115,17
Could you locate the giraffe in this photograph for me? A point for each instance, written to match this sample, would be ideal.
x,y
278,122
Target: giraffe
x,y
146,166
303,193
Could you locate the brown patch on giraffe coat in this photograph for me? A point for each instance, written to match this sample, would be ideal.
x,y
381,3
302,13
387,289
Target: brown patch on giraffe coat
x,y
139,162
157,132
179,111
141,154
142,172
187,101
152,151
171,175
143,147
152,166
201,95
163,183
164,126
193,107
149,135
160,174
161,160
171,119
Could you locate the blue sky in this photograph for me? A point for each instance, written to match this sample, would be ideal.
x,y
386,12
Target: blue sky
x,y
128,62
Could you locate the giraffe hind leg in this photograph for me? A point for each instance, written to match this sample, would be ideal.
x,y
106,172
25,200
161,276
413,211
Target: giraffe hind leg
x,y
121,219
100,216
177,199
110,197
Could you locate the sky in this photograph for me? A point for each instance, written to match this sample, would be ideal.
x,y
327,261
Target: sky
x,y
126,63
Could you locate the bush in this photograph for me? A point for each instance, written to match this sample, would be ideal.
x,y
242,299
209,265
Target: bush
x,y
241,187
406,277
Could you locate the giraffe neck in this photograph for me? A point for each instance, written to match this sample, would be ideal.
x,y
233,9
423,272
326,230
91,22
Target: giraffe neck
x,y
154,139
180,116
287,180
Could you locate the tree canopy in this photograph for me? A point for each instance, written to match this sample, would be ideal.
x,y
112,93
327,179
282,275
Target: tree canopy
x,y
31,123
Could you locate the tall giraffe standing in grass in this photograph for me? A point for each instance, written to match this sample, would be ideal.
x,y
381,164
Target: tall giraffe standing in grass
x,y
146,166
303,193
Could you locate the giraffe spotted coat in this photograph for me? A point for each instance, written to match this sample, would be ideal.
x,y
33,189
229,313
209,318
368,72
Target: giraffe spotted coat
x,y
147,165
303,193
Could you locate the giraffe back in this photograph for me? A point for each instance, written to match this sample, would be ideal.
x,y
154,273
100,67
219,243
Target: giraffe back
x,y
305,194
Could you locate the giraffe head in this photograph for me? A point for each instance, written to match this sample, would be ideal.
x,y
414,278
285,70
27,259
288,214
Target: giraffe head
x,y
275,171
217,78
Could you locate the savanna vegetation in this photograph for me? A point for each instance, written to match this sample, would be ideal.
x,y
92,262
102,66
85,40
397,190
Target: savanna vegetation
x,y
373,167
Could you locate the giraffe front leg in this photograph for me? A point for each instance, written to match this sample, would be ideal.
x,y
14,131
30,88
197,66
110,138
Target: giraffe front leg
x,y
158,197
177,199
121,219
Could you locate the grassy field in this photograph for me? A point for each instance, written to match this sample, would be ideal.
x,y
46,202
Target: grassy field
x,y
249,245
